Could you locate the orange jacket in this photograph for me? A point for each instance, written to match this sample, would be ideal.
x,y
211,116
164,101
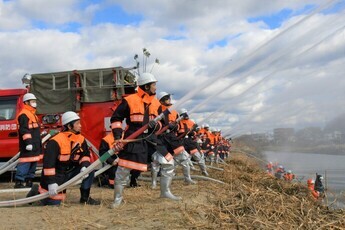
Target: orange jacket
x,y
29,134
289,176
172,116
269,166
314,193
212,138
185,126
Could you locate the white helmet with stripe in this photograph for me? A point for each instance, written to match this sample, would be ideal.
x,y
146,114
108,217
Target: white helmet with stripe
x,y
28,97
162,94
68,117
146,78
182,111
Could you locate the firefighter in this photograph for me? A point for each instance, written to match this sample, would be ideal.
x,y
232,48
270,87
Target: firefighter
x,y
269,168
289,176
228,148
162,159
188,129
107,143
138,109
319,185
66,155
171,141
311,187
279,172
214,138
211,140
30,145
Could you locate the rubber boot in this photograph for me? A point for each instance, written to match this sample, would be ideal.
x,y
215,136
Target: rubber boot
x,y
186,174
134,176
33,191
203,169
86,199
217,160
154,175
118,190
165,189
211,160
191,165
28,182
19,184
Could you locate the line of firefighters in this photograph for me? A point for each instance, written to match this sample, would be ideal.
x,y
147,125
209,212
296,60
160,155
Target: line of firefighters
x,y
164,144
315,186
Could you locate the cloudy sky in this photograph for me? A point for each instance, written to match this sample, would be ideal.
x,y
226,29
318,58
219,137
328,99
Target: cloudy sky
x,y
242,66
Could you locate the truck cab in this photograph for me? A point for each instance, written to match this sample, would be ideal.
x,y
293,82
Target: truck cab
x,y
10,105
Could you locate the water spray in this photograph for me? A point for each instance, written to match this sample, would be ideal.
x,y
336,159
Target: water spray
x,y
249,58
272,73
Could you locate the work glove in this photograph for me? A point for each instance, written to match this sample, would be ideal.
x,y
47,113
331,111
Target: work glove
x,y
152,124
52,189
118,146
29,147
82,170
116,161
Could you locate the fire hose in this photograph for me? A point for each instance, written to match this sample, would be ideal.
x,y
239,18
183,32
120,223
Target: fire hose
x,y
197,177
215,168
14,160
211,167
13,190
167,126
76,178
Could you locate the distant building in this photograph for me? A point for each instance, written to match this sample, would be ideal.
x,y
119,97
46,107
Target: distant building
x,y
336,136
283,135
260,137
309,134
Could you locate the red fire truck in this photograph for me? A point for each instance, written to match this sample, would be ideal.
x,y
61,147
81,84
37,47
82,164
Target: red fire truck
x,y
92,93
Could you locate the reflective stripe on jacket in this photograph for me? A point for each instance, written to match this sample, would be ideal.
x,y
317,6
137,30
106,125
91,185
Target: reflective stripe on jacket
x,y
29,134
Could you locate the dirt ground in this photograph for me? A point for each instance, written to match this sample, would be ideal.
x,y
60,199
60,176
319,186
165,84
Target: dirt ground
x,y
249,199
142,209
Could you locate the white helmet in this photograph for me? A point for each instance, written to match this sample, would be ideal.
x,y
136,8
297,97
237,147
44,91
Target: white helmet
x,y
69,116
28,97
162,94
213,130
183,110
146,78
206,126
289,171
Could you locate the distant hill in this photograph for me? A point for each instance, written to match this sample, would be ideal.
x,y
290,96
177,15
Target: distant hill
x,y
337,124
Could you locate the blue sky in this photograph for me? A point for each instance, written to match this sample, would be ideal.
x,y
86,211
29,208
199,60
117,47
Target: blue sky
x,y
202,48
115,14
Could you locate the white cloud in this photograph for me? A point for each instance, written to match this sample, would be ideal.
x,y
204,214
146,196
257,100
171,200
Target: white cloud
x,y
303,67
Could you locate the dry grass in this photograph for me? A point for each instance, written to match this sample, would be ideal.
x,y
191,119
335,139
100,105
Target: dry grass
x,y
250,199
253,199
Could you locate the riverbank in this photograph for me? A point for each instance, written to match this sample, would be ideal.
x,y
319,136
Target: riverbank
x,y
248,199
319,149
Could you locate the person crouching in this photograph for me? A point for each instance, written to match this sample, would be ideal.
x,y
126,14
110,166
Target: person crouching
x,y
66,155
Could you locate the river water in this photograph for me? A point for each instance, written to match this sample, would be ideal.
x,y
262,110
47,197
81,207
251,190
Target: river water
x,y
306,165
